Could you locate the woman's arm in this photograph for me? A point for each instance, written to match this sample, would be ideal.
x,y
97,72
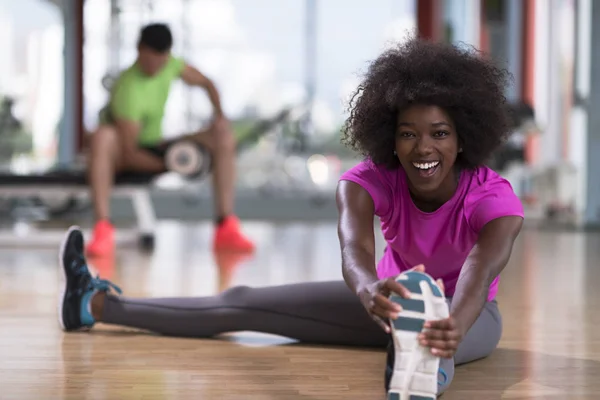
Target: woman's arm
x,y
357,242
485,262
357,235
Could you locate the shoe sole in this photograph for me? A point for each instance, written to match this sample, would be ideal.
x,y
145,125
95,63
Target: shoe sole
x,y
415,373
61,253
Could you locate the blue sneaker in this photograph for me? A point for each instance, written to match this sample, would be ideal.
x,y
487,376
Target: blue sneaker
x,y
74,307
415,371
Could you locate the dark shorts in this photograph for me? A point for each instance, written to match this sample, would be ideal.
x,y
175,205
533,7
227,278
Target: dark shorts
x,y
157,150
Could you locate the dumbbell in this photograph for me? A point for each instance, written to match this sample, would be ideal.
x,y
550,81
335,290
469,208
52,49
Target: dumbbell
x,y
188,159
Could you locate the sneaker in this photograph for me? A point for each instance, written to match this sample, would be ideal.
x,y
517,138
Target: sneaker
x,y
389,371
74,306
414,372
103,240
229,237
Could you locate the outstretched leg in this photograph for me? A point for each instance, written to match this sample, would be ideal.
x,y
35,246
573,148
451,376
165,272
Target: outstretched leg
x,y
317,313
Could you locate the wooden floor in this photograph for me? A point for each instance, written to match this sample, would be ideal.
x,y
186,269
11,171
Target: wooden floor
x,y
548,296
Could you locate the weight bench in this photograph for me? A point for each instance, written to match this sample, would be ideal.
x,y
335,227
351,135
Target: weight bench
x,y
131,185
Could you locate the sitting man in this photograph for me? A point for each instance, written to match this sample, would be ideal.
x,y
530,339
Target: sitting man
x,y
130,138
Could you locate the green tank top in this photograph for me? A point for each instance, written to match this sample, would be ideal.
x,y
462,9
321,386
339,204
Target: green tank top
x,y
141,98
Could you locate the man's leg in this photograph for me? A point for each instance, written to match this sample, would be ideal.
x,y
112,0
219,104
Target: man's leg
x,y
219,140
318,313
105,161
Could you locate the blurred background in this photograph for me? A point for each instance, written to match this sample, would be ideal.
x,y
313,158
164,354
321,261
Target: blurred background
x,y
285,70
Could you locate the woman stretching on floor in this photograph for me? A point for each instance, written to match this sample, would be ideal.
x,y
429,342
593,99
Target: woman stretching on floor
x,y
426,117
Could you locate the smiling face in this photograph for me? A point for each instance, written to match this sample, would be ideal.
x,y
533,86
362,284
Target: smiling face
x,y
427,147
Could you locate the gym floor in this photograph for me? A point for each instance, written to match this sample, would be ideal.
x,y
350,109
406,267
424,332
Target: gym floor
x,y
548,295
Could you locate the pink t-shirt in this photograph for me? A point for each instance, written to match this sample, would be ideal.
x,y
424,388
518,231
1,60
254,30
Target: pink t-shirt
x,y
440,240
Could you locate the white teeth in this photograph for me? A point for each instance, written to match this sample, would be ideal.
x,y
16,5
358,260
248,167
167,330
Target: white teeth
x,y
426,165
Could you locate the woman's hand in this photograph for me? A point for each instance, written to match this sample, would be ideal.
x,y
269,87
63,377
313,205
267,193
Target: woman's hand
x,y
443,336
375,299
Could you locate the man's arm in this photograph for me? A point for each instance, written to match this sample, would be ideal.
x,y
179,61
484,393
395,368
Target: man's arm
x,y
127,112
133,156
193,77
485,262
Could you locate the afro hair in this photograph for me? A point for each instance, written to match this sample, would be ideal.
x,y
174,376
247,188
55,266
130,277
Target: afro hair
x,y
468,86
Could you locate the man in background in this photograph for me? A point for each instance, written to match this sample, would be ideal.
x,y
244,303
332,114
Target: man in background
x,y
130,138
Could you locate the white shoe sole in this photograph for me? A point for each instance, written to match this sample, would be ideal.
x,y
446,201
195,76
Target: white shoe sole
x,y
415,371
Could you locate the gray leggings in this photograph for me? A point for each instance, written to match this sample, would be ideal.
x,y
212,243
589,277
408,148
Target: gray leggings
x,y
315,313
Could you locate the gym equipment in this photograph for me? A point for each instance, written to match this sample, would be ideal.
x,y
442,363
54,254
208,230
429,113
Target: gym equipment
x,y
109,80
188,159
521,120
74,182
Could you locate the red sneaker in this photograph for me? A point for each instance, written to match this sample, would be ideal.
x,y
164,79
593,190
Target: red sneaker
x,y
103,240
229,237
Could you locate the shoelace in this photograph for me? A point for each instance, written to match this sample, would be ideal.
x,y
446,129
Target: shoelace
x,y
81,269
103,285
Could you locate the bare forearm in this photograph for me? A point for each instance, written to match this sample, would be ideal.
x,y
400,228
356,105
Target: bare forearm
x,y
134,157
486,261
358,267
470,296
356,235
213,95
